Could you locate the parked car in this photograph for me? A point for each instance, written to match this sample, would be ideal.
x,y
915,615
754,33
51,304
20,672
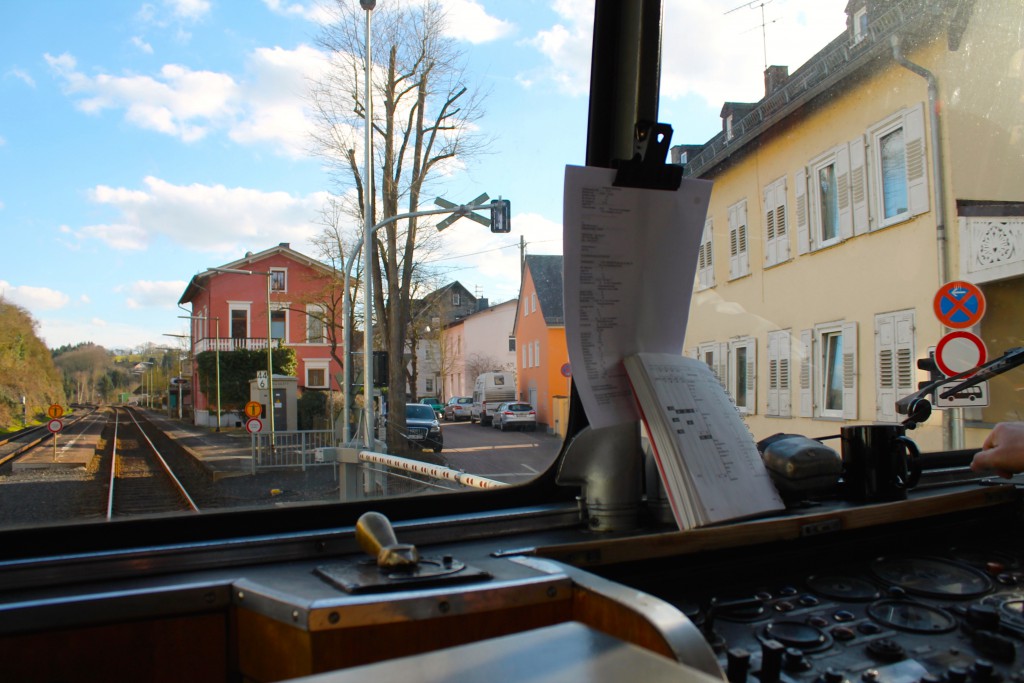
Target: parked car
x,y
437,406
458,408
515,415
422,428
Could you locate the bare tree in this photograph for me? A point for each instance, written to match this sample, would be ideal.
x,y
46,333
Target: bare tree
x,y
421,120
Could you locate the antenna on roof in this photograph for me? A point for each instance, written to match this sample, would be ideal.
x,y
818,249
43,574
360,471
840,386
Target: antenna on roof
x,y
764,37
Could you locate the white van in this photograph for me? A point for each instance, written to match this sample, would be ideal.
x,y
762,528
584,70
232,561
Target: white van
x,y
491,390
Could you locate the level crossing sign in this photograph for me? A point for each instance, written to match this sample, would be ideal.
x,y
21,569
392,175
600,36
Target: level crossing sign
x,y
959,305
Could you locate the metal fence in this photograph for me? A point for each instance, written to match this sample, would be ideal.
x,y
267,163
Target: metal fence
x,y
291,449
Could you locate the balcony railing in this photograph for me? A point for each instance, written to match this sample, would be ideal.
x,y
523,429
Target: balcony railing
x,y
225,344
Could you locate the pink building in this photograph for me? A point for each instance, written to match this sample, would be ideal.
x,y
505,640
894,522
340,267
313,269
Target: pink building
x,y
229,312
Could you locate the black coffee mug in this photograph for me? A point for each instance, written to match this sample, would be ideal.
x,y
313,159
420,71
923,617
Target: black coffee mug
x,y
880,462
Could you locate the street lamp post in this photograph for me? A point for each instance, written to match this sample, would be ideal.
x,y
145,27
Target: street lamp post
x,y
270,345
216,352
368,231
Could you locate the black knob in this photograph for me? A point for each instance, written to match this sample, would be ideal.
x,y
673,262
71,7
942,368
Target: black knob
x,y
793,660
982,671
832,676
738,665
771,660
956,674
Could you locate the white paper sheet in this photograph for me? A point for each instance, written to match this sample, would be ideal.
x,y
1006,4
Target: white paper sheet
x,y
630,256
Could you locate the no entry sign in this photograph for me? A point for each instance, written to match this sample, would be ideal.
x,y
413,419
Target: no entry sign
x,y
959,305
959,352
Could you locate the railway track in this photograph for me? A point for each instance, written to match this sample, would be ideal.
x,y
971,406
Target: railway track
x,y
141,480
15,444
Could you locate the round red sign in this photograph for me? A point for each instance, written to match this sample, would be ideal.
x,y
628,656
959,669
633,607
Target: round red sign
x,y
959,352
253,425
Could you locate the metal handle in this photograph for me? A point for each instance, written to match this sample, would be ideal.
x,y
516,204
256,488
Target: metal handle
x,y
377,538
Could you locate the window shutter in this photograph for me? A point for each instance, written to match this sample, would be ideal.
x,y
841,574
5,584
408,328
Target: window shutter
x,y
858,186
850,371
781,222
773,374
771,255
806,369
843,192
722,364
734,243
751,376
803,233
785,401
917,175
885,367
905,352
744,251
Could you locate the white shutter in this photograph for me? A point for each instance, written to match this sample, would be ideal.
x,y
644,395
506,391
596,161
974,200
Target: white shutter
x,y
803,232
751,346
843,192
785,350
771,255
744,243
722,364
858,186
781,222
885,367
905,352
917,174
806,373
773,374
850,371
734,243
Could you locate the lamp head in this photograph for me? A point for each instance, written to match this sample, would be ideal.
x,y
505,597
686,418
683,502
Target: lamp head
x,y
367,4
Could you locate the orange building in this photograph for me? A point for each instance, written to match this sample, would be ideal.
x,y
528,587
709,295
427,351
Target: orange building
x,y
542,363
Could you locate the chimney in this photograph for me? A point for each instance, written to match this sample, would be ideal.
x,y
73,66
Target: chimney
x,y
286,245
481,304
774,78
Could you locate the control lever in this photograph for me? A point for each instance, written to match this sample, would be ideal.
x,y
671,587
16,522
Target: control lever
x,y
716,607
376,537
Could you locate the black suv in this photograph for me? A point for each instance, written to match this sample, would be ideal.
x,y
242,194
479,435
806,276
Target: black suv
x,y
422,427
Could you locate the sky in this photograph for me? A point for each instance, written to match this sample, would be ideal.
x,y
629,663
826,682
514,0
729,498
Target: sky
x,y
144,142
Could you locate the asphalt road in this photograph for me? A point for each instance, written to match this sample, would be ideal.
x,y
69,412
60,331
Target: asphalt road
x,y
510,456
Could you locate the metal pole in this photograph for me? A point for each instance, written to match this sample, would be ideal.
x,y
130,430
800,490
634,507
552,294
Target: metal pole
x,y
368,247
270,365
346,314
217,357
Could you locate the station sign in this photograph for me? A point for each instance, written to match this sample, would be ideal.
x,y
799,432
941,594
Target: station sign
x,y
959,352
55,411
262,379
55,425
253,409
959,305
253,425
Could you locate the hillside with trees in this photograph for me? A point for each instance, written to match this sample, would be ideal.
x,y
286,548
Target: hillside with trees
x,y
27,370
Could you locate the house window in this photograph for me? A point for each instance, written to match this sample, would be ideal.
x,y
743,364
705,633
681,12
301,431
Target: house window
x,y
742,374
779,396
533,302
278,324
739,261
456,298
428,385
536,353
705,258
511,344
899,180
714,355
860,24
828,371
776,220
315,328
728,128
824,215
894,362
278,280
316,374
239,322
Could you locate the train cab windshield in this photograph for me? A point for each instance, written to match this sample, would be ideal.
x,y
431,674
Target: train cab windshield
x,y
274,267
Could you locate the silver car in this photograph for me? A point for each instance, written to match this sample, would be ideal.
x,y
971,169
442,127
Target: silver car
x,y
458,408
515,415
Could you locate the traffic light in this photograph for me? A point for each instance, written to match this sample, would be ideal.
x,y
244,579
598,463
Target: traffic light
x,y
380,368
929,364
501,215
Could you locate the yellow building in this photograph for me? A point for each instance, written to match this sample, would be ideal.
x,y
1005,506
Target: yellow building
x,y
843,200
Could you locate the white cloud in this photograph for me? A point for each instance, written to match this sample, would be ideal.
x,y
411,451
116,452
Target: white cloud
x,y
469,21
33,298
567,45
204,217
142,45
147,294
22,76
725,59
57,331
189,9
316,12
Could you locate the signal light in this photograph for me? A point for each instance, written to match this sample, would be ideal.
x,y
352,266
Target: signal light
x,y
501,215
929,364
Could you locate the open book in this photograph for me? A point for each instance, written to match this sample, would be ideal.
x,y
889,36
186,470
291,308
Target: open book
x,y
707,457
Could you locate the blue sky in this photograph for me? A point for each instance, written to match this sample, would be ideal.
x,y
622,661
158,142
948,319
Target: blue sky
x,y
142,142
